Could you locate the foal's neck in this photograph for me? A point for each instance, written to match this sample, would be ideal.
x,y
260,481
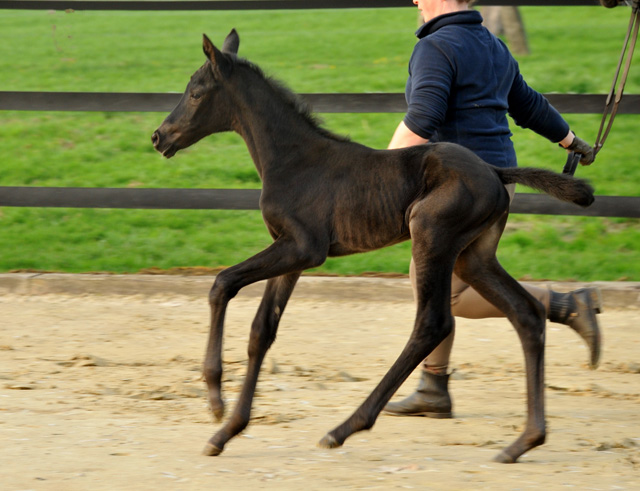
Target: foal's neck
x,y
274,128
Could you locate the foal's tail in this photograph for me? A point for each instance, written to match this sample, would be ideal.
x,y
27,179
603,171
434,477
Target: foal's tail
x,y
562,186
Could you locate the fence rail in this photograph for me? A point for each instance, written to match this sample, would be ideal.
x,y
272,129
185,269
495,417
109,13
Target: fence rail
x,y
248,199
322,103
236,199
255,4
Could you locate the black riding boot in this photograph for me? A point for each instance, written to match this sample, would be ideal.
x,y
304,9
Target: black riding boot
x,y
432,399
578,309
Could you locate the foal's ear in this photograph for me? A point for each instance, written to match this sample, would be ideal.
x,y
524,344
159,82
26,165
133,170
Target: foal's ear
x,y
231,43
217,59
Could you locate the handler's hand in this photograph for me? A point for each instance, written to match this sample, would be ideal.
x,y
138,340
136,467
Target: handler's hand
x,y
580,146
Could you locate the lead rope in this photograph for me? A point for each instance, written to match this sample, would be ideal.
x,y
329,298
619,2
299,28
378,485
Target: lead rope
x,y
627,48
610,110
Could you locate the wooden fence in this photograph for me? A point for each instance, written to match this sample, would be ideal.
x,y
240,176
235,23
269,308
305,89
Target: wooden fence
x,y
20,196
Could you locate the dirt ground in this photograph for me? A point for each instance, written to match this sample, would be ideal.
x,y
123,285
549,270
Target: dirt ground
x,y
100,388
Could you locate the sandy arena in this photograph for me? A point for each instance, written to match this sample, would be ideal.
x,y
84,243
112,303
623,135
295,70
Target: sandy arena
x,y
101,389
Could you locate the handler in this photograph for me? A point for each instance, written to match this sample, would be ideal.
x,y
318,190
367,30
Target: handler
x,y
462,83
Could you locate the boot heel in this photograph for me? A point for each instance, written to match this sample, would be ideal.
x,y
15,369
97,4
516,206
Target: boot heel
x,y
592,297
448,415
596,299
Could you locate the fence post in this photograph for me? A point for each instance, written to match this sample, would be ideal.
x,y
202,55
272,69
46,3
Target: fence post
x,y
507,21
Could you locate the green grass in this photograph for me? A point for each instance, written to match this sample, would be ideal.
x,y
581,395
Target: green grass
x,y
362,50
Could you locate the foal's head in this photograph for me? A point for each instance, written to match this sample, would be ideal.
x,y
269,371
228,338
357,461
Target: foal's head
x,y
205,106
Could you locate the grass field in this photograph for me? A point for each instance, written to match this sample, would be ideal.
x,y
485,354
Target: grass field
x,y
574,49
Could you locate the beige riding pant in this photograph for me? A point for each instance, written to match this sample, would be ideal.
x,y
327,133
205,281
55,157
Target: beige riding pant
x,y
467,303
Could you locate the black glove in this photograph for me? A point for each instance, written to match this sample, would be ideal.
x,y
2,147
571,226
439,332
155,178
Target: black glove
x,y
580,146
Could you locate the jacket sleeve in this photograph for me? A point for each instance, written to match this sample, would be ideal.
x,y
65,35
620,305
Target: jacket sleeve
x,y
431,76
530,109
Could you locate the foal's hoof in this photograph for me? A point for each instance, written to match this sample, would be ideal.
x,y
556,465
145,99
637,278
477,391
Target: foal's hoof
x,y
216,406
218,413
329,442
504,458
211,450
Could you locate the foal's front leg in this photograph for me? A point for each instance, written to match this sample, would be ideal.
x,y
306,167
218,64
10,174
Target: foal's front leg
x,y
282,257
287,257
263,333
218,301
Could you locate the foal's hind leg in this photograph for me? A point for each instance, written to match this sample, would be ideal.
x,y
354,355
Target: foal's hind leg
x,y
434,265
433,323
477,265
263,333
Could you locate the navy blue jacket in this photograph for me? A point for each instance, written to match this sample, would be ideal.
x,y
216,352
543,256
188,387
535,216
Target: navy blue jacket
x,y
462,83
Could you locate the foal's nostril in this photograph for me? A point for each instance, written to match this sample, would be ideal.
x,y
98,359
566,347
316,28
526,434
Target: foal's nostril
x,y
155,138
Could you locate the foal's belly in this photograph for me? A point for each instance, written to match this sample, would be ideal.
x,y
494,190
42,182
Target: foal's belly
x,y
341,249
361,234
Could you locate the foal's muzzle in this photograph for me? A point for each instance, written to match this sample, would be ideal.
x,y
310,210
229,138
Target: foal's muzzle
x,y
167,149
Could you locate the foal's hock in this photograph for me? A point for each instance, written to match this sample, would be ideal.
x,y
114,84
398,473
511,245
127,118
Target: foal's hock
x,y
324,195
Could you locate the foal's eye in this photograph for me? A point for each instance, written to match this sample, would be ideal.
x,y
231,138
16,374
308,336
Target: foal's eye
x,y
195,96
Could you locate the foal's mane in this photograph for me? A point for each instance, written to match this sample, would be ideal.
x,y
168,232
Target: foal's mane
x,y
294,101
